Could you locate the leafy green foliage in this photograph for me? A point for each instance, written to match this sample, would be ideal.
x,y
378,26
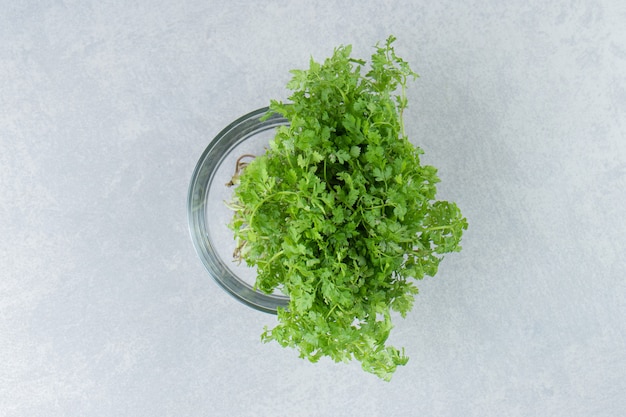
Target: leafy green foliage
x,y
340,215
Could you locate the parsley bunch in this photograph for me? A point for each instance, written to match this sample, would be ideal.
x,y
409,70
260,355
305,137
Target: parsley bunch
x,y
340,215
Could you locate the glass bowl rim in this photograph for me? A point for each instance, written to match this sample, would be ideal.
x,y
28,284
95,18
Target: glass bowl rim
x,y
227,139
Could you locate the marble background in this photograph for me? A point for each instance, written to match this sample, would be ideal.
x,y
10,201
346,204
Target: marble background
x,y
105,107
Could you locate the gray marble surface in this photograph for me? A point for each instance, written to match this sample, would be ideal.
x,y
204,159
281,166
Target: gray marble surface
x,y
105,107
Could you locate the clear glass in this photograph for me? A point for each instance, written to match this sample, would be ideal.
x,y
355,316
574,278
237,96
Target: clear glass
x,y
209,217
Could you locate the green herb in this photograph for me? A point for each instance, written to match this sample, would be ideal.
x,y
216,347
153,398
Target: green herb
x,y
340,215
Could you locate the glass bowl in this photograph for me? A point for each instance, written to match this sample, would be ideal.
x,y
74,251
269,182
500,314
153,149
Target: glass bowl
x,y
209,217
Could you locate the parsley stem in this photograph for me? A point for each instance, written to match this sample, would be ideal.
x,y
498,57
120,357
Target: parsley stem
x,y
331,310
430,229
403,100
265,200
276,255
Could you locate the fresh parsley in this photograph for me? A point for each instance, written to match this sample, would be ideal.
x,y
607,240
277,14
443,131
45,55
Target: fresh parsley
x,y
340,215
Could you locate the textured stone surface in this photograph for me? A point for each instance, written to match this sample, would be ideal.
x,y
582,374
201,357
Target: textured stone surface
x,y
105,107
